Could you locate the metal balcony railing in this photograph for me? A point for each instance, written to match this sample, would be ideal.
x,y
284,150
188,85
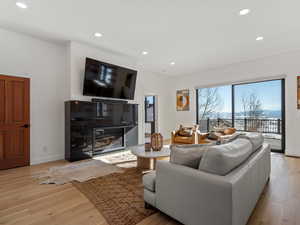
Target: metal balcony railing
x,y
272,126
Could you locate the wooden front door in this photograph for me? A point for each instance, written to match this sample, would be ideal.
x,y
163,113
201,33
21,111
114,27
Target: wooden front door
x,y
14,122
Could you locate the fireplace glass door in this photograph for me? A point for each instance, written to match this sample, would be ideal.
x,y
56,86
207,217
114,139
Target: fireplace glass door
x,y
108,139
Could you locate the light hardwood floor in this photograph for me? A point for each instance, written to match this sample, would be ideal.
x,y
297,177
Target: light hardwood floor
x,y
24,201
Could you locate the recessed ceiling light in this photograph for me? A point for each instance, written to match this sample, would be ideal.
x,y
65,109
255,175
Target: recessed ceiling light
x,y
21,5
98,34
172,63
145,53
260,38
244,12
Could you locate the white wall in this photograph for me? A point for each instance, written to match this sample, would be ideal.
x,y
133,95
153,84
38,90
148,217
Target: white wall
x,y
45,64
77,54
147,82
285,64
56,74
152,84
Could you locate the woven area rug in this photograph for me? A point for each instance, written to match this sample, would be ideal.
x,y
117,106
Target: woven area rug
x,y
118,196
78,171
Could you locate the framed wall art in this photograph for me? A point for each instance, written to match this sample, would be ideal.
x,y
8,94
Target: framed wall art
x,y
183,100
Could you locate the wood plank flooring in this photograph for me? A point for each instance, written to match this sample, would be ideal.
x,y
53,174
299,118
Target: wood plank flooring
x,y
23,201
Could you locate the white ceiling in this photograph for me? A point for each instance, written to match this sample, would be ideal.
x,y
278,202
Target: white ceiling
x,y
196,34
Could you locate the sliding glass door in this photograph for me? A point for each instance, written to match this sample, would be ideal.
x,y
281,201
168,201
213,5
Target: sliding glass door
x,y
249,107
258,107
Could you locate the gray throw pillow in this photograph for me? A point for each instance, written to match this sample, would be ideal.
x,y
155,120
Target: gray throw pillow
x,y
256,139
230,137
187,155
221,159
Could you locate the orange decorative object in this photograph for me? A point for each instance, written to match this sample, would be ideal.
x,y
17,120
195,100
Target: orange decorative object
x,y
229,131
156,141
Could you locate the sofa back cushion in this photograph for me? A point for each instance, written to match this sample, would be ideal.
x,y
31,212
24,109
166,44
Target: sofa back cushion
x,y
221,159
187,155
256,139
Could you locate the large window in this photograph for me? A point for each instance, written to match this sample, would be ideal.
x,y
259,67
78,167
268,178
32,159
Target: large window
x,y
249,107
213,104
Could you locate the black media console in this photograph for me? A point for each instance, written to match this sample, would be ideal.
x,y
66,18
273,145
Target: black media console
x,y
98,127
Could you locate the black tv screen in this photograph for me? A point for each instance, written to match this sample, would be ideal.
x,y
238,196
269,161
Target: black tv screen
x,y
107,80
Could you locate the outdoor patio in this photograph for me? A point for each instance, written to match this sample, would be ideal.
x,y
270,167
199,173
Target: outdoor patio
x,y
270,128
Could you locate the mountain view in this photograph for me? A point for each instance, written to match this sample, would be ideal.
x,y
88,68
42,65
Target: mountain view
x,y
265,114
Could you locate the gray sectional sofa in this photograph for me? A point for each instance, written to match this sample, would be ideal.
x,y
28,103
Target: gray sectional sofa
x,y
216,185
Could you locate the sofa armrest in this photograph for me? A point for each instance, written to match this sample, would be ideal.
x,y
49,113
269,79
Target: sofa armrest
x,y
188,194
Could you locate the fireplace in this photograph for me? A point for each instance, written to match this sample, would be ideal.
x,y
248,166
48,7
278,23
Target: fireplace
x,y
98,127
108,139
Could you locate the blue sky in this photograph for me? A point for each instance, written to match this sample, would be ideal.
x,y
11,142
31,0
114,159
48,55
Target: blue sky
x,y
268,92
150,99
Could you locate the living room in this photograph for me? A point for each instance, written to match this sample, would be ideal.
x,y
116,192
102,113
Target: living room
x,y
47,43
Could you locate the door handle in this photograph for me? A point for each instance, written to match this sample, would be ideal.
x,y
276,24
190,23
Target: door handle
x,y
25,126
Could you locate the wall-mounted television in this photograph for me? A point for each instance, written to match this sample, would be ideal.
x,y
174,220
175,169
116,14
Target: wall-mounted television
x,y
107,80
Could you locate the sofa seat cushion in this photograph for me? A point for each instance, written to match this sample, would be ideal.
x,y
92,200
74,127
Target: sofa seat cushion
x,y
256,139
187,155
184,140
149,181
221,159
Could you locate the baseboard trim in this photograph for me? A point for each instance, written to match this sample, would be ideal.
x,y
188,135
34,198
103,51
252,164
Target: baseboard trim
x,y
292,156
35,161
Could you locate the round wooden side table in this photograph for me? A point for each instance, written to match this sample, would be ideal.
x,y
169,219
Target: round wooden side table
x,y
147,159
